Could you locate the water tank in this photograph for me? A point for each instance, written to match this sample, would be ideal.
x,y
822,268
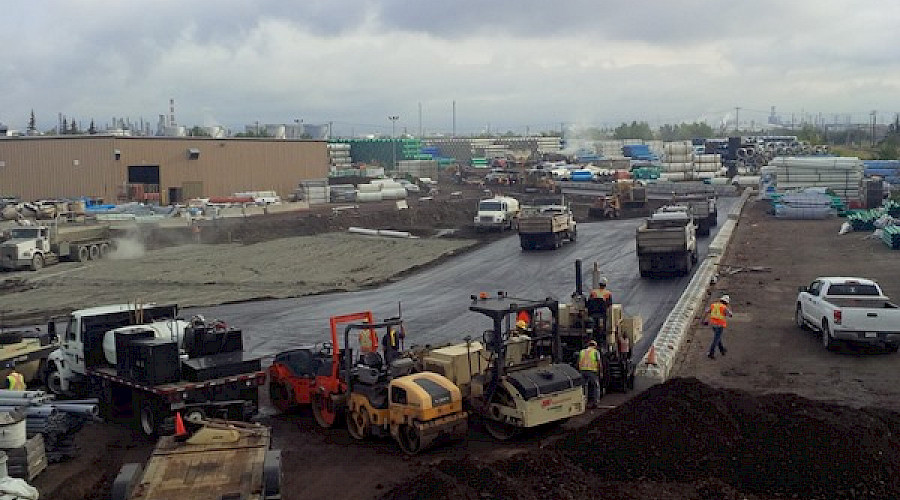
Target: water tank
x,y
169,330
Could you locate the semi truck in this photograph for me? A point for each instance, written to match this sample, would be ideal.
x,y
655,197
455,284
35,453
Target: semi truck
x,y
546,225
499,212
33,247
143,361
667,242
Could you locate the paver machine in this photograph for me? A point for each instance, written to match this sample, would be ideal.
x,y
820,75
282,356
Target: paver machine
x,y
615,337
351,379
514,378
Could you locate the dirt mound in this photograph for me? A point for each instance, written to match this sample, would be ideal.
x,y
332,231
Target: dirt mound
x,y
685,439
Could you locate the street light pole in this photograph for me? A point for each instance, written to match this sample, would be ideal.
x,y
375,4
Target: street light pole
x,y
393,119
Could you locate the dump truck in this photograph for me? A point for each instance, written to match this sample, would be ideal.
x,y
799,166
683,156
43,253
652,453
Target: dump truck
x,y
703,208
33,247
546,225
220,460
512,379
345,380
667,242
142,360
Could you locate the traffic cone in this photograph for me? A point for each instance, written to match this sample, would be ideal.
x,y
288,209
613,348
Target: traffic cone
x,y
180,432
651,356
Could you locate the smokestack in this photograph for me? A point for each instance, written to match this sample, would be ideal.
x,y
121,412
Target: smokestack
x,y
454,118
171,112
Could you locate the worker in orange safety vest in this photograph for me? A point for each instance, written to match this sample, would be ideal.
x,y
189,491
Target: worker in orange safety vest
x,y
598,304
716,318
590,366
368,341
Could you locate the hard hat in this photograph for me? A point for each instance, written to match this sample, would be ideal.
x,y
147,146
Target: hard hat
x,y
726,299
521,324
592,342
602,281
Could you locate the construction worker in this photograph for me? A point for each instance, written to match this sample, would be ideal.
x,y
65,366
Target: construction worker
x,y
716,318
523,316
598,303
14,382
590,366
368,341
391,342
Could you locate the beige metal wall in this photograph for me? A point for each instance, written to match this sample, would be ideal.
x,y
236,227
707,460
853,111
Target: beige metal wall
x,y
63,167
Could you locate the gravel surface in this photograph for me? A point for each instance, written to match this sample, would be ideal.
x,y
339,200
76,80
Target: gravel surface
x,y
194,275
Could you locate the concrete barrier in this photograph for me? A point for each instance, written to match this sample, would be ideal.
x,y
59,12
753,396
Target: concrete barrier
x,y
673,331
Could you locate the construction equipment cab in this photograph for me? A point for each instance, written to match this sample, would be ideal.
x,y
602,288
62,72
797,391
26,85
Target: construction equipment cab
x,y
347,379
514,378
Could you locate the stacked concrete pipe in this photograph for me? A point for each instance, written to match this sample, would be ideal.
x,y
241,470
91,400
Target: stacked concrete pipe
x,y
670,339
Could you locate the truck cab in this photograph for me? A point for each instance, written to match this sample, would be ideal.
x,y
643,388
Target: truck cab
x,y
499,212
25,245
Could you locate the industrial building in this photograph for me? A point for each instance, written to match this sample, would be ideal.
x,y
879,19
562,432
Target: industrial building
x,y
155,169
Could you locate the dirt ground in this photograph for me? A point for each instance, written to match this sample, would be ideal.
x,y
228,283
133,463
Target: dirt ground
x,y
285,255
729,433
767,352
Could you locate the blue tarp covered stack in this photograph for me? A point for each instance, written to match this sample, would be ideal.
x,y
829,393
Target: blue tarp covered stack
x,y
639,152
889,170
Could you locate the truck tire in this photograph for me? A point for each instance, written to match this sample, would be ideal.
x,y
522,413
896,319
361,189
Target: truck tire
x,y
37,262
104,250
128,478
272,475
573,235
828,342
798,318
82,254
94,251
147,415
53,379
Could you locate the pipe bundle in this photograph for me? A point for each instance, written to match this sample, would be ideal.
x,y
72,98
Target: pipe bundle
x,y
57,421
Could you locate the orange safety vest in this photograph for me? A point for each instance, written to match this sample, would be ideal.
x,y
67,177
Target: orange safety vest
x,y
717,314
367,341
604,294
589,360
523,316
16,381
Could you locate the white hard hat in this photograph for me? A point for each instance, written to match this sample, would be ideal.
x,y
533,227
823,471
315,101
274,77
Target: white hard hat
x,y
602,281
726,299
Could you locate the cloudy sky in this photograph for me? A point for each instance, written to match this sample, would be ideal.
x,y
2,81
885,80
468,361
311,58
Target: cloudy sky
x,y
508,65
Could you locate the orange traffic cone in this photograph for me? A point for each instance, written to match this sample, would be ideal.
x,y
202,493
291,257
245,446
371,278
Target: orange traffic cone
x,y
180,432
651,356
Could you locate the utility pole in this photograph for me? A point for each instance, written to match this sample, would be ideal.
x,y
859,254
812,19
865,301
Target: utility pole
x,y
393,119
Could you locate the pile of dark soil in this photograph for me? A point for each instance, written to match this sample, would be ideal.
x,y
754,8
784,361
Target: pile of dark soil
x,y
685,439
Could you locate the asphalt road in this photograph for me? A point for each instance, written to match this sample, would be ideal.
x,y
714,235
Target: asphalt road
x,y
435,301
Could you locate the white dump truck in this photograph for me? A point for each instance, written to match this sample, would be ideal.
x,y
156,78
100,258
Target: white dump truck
x,y
499,212
33,247
667,242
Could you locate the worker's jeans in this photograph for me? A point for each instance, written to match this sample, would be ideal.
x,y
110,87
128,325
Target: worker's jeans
x,y
592,380
717,341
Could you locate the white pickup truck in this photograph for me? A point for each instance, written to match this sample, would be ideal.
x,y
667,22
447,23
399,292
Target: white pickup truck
x,y
849,309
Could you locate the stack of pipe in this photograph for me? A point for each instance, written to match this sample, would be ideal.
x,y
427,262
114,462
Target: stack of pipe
x,y
56,420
